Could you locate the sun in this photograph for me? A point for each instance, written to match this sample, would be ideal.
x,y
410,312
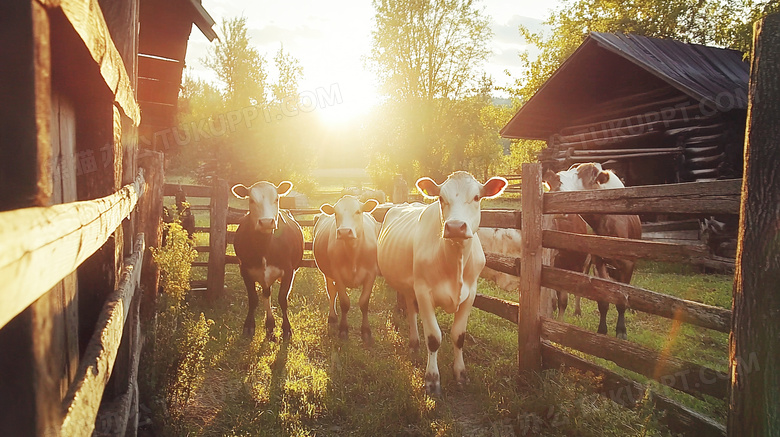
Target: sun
x,y
350,98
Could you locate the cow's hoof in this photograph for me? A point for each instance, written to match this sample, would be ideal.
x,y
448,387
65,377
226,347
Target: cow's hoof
x,y
414,346
578,313
286,334
432,385
368,339
270,336
343,334
249,331
332,320
622,335
462,379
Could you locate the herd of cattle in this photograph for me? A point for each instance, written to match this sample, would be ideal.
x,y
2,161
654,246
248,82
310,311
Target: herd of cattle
x,y
430,254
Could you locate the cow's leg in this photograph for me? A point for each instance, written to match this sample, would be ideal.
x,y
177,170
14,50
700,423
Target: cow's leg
x,y
270,323
601,271
365,296
620,328
432,334
251,291
344,304
563,302
330,286
458,337
411,318
577,308
284,293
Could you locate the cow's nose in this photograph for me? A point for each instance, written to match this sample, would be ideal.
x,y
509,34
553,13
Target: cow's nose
x,y
345,233
456,229
267,223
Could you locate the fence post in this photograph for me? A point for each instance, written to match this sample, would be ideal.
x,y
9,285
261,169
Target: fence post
x,y
215,282
754,353
528,325
150,208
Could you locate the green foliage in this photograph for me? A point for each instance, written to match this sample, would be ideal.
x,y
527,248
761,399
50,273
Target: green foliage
x,y
438,116
186,371
247,127
175,260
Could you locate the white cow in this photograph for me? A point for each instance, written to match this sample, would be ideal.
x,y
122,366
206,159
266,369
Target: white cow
x,y
345,241
432,256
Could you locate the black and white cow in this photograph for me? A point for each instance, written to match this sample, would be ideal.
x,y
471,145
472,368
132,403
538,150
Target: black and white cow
x,y
269,246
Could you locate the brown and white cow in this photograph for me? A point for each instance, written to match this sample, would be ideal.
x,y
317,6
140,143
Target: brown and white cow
x,y
345,241
269,246
591,176
432,255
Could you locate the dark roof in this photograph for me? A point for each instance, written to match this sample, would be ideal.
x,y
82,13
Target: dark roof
x,y
610,66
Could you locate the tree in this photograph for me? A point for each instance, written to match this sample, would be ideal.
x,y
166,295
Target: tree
x,y
754,352
427,55
238,65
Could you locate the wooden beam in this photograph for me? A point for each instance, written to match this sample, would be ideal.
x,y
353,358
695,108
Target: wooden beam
x,y
614,247
501,218
40,246
217,239
531,263
510,265
83,399
87,20
628,393
715,197
679,374
636,298
502,308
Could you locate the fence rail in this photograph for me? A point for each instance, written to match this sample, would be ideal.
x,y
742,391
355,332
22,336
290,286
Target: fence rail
x,y
40,246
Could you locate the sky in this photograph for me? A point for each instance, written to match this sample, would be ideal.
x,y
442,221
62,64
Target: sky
x,y
331,39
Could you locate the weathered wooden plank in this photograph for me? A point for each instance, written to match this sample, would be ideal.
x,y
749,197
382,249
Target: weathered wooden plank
x,y
502,263
40,246
119,416
83,399
501,218
531,263
632,249
679,374
637,298
628,393
217,239
715,197
87,20
502,308
189,190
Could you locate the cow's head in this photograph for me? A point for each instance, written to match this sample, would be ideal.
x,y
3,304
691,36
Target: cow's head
x,y
587,176
263,203
349,216
459,198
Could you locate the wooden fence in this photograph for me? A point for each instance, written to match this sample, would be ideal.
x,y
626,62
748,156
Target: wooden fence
x,y
41,246
540,337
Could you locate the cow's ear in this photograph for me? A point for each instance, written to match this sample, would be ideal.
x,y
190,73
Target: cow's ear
x,y
327,209
428,188
284,187
603,177
240,191
493,187
369,205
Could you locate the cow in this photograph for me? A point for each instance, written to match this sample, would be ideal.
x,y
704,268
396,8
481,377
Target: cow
x,y
269,247
591,176
432,256
345,241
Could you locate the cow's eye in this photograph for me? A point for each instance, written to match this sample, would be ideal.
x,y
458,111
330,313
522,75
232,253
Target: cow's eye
x,y
476,198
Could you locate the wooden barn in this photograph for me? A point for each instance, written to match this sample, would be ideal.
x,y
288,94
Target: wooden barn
x,y
81,81
655,110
